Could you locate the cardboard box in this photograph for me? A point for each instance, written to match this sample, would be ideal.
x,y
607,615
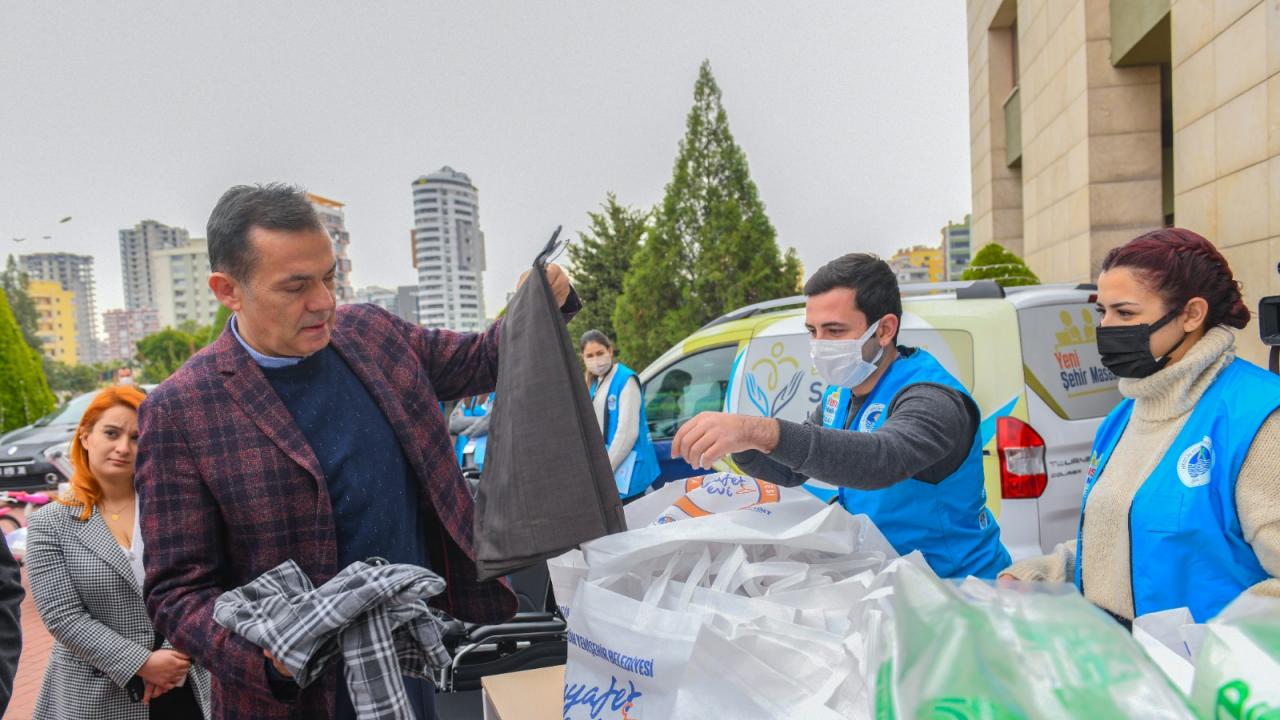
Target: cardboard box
x,y
525,695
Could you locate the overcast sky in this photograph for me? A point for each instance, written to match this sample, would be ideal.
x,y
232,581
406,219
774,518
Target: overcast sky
x,y
853,116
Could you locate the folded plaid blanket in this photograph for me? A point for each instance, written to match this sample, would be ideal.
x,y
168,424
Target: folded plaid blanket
x,y
374,615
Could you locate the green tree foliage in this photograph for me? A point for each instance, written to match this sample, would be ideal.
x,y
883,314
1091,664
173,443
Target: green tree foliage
x,y
600,261
994,262
711,249
219,324
15,284
162,353
24,393
73,378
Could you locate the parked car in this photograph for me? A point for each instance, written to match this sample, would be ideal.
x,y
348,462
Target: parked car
x,y
1026,354
34,457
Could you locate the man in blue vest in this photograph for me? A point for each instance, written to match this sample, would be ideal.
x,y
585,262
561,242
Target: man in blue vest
x,y
895,432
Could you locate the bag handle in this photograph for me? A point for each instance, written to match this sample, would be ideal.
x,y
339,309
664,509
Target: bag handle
x,y
552,250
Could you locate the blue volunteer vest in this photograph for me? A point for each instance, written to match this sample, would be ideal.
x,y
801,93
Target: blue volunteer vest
x,y
477,410
948,522
633,476
1186,548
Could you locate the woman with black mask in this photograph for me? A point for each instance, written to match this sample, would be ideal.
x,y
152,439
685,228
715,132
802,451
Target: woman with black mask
x,y
1182,498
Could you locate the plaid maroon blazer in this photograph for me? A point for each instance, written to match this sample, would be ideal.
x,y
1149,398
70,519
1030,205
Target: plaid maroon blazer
x,y
230,488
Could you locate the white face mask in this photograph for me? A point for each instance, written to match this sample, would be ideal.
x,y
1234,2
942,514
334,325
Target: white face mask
x,y
840,362
599,366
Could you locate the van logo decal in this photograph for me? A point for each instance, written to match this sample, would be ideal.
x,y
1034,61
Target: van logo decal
x,y
1196,463
759,388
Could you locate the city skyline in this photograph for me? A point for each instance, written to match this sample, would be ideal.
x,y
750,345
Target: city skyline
x,y
856,139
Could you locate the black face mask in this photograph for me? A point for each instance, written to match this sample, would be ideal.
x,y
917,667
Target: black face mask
x,y
1126,349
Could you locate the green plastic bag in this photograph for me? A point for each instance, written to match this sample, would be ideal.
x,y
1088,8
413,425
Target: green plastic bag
x,y
977,652
1238,665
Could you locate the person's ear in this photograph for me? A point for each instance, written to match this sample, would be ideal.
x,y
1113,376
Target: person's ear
x,y
228,291
887,331
1195,314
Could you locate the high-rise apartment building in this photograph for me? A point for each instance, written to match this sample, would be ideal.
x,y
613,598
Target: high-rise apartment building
x,y
125,328
448,251
75,274
957,248
55,320
1094,121
180,283
333,217
136,246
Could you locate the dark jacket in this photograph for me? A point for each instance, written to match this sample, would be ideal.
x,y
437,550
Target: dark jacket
x,y
11,595
230,489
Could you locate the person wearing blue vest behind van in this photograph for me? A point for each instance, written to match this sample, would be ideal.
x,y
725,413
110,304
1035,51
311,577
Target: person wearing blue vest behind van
x,y
1181,505
468,422
896,432
615,393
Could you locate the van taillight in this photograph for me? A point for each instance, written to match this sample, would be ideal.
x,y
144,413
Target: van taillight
x,y
1021,451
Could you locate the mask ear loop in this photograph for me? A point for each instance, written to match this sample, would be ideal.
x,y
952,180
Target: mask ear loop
x,y
870,335
1164,359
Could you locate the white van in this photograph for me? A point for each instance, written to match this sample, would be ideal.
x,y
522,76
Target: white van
x,y
1026,354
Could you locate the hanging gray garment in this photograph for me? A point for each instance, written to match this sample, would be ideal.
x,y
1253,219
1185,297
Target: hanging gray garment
x,y
547,485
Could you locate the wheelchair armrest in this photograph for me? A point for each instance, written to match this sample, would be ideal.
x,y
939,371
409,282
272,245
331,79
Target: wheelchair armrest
x,y
515,630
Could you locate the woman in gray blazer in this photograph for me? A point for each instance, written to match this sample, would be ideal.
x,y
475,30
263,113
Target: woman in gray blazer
x,y
84,560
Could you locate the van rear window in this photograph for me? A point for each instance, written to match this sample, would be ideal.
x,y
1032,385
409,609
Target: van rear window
x,y
1061,363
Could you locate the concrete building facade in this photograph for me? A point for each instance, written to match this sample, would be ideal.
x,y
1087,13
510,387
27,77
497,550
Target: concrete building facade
x,y
180,281
1093,121
334,218
402,301
919,264
55,320
125,328
448,251
136,246
75,274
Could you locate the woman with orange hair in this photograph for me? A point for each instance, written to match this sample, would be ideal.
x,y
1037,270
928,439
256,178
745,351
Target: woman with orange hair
x,y
84,557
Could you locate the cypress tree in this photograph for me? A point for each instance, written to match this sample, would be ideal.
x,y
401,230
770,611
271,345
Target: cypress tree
x,y
711,249
24,393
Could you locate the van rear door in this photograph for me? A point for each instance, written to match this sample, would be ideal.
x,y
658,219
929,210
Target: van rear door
x,y
1069,392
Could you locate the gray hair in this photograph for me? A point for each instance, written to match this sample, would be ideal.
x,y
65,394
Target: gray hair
x,y
275,206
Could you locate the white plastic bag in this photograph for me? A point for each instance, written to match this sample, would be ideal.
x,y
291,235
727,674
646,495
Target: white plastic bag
x,y
796,526
1162,635
626,658
1237,671
773,590
567,572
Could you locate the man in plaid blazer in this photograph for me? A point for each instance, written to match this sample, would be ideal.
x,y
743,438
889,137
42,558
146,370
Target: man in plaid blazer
x,y
232,479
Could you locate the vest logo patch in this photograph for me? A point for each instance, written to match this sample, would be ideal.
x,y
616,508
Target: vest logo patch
x,y
613,403
829,411
1093,468
871,417
1195,464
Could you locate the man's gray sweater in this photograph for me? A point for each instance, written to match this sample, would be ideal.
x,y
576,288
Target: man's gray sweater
x,y
926,435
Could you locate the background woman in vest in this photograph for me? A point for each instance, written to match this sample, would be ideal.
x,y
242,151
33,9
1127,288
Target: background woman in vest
x,y
84,556
615,392
1182,498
